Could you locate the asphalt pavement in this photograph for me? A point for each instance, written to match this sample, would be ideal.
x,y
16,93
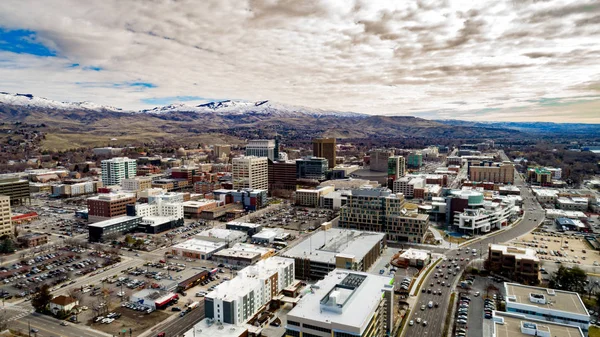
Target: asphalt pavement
x,y
178,326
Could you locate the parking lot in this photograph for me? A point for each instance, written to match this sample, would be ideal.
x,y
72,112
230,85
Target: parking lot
x,y
57,269
294,218
560,248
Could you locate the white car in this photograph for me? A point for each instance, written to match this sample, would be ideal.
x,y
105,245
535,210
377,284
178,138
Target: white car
x,y
411,322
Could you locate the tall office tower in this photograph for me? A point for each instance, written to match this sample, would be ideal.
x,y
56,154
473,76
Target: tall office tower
x,y
250,172
6,227
262,148
116,169
325,148
311,168
396,167
222,150
379,159
16,188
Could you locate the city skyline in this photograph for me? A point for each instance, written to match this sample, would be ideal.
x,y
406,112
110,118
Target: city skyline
x,y
502,61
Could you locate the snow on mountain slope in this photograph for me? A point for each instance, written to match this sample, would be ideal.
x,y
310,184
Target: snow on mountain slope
x,y
228,107
240,108
40,102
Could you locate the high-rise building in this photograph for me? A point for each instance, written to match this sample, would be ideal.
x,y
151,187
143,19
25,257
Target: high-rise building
x,y
222,150
346,303
379,159
16,188
6,227
311,168
396,167
488,171
114,170
380,210
415,160
282,175
325,148
250,172
262,148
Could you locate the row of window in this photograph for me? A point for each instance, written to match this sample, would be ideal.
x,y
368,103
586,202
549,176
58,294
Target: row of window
x,y
548,317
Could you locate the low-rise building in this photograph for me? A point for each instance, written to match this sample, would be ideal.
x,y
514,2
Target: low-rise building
x,y
62,304
566,224
108,206
345,303
267,236
193,209
249,228
414,257
519,264
197,249
242,255
32,240
545,304
152,298
312,198
325,250
212,328
231,237
99,231
515,325
573,204
251,199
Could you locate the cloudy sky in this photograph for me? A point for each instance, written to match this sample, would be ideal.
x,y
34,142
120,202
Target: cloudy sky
x,y
474,59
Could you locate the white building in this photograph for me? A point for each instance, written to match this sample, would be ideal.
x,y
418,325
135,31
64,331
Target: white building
x,y
267,236
561,213
6,227
261,148
483,215
250,172
136,184
545,195
231,237
312,198
62,303
197,249
116,169
551,305
514,325
160,208
237,300
573,204
345,303
406,185
335,199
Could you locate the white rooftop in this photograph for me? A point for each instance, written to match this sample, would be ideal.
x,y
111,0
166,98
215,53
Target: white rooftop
x,y
201,246
323,246
518,253
207,327
415,254
268,233
113,221
222,233
244,224
198,203
349,307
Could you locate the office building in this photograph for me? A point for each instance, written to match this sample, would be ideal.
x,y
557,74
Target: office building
x,y
17,189
414,160
325,148
193,209
573,204
379,159
515,325
116,169
518,264
77,189
396,167
491,172
251,199
282,175
171,184
250,172
380,210
246,227
136,184
311,168
556,306
414,257
325,250
345,303
197,248
262,148
312,198
231,237
407,185
237,300
108,206
6,227
539,176
222,151
268,236
242,255
112,228
31,240
479,216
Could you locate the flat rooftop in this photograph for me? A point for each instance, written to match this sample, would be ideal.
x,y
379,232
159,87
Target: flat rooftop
x,y
357,293
198,203
114,221
518,253
323,246
201,246
555,299
511,327
207,327
244,224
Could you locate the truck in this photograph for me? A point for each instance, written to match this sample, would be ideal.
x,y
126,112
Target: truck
x,y
192,306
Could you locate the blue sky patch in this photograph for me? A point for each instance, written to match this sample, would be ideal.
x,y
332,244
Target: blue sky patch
x,y
22,41
93,68
172,99
142,85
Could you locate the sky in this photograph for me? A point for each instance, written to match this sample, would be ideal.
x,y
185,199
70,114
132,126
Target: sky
x,y
502,60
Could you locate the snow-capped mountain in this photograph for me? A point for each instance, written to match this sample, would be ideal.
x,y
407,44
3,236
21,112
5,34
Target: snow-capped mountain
x,y
229,107
223,108
40,102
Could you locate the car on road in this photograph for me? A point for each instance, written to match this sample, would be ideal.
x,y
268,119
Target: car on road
x,y
423,307
34,330
63,323
418,320
411,322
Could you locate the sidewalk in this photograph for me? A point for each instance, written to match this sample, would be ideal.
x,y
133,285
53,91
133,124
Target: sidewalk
x,y
439,236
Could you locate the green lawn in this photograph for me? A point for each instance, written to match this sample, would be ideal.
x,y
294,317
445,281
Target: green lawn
x,y
594,331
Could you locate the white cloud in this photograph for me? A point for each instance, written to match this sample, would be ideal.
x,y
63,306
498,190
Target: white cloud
x,y
378,57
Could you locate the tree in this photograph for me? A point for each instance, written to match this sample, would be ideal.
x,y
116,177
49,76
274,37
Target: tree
x,y
42,298
7,246
569,279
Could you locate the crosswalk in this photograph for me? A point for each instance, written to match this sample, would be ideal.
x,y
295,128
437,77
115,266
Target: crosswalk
x,y
22,313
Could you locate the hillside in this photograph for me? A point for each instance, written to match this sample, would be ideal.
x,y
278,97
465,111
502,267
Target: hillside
x,y
68,125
